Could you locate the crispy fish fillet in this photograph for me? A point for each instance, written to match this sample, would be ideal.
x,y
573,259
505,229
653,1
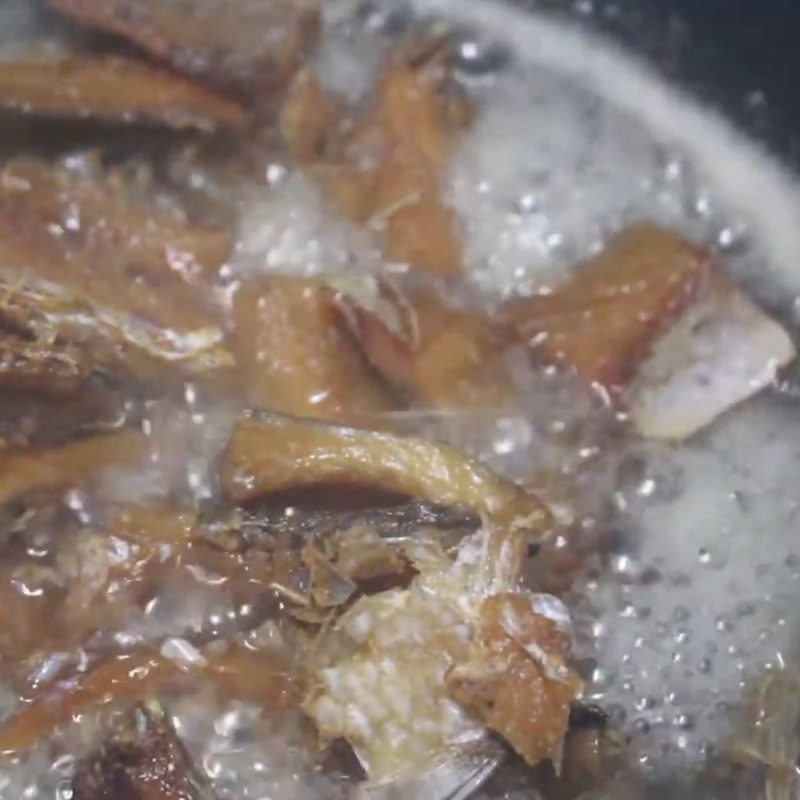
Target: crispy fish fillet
x,y
656,323
515,678
27,471
137,676
723,350
61,370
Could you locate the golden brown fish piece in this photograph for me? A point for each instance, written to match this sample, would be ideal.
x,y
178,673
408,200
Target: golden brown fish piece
x,y
128,677
515,679
67,244
245,45
604,320
271,453
27,471
295,357
384,169
113,90
137,676
441,356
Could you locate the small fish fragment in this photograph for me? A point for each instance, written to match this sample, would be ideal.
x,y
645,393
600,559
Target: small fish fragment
x,y
394,671
248,46
129,677
515,678
66,245
604,321
361,554
723,350
387,696
440,356
271,453
295,357
55,369
27,471
143,760
113,90
133,677
384,169
329,586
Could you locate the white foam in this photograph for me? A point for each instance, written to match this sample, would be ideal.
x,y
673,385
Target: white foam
x,y
759,188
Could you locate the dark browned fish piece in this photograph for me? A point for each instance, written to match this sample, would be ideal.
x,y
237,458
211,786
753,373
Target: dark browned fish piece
x,y
144,760
115,90
245,45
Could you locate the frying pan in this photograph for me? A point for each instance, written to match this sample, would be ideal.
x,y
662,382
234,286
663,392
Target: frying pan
x,y
737,56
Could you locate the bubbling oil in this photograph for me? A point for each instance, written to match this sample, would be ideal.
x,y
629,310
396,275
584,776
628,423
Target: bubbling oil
x,y
697,590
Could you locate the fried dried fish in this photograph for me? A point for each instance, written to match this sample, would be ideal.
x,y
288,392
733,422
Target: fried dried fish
x,y
236,673
128,677
381,679
383,169
271,453
66,246
394,524
606,318
51,369
723,350
591,758
28,471
245,45
295,358
29,620
515,678
143,760
439,356
113,90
